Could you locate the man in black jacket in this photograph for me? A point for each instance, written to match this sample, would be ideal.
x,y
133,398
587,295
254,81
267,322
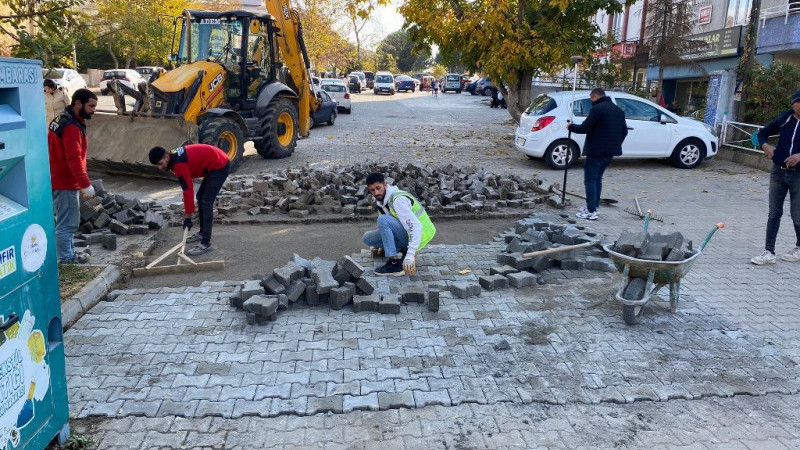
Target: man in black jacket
x,y
605,129
784,178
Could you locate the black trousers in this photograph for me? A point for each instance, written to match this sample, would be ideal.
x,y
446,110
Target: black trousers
x,y
206,194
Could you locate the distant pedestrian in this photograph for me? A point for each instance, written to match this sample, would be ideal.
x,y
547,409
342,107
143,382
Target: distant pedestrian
x,y
55,100
435,86
784,178
67,145
605,129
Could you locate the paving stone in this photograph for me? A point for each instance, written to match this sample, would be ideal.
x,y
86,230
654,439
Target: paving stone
x,y
340,274
601,264
572,264
109,242
493,282
502,270
364,286
425,398
339,297
295,290
251,288
290,272
389,304
362,303
334,404
355,269
322,274
389,400
311,295
272,285
521,279
433,300
367,402
412,295
351,286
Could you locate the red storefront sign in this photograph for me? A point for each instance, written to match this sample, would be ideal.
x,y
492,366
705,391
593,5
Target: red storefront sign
x,y
705,15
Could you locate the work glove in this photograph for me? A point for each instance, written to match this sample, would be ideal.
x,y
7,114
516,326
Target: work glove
x,y
187,223
88,192
410,264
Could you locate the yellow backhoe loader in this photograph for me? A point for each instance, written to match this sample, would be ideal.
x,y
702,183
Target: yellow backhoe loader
x,y
240,77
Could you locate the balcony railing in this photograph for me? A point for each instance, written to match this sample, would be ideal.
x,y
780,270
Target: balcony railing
x,y
785,10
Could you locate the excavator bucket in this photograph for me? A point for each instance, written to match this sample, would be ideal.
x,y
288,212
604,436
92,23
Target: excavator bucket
x,y
119,144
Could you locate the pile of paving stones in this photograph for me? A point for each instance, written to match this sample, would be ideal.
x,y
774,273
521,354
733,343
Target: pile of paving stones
x,y
654,247
336,284
106,215
530,235
342,190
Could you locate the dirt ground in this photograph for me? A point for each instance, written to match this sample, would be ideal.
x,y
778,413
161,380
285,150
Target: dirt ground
x,y
251,249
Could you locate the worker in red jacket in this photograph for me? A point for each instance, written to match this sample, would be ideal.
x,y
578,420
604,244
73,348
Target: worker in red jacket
x,y
195,161
67,144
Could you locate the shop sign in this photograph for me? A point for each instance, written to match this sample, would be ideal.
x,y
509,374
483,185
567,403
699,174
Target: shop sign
x,y
705,15
717,44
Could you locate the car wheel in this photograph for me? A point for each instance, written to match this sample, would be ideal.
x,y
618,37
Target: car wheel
x,y
458,91
332,118
559,152
487,92
348,110
688,154
104,92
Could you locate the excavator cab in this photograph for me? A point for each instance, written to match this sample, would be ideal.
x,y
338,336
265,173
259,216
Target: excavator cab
x,y
232,84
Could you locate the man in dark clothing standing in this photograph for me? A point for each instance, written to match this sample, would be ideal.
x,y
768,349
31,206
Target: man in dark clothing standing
x,y
194,161
605,129
67,144
784,178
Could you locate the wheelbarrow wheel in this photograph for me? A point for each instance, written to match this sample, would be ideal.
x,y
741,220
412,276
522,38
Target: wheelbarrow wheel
x,y
634,291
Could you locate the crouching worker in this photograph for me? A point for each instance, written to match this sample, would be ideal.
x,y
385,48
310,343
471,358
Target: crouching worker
x,y
404,227
194,161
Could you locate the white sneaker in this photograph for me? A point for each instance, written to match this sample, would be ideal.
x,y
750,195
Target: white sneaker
x,y
765,258
581,211
792,256
587,215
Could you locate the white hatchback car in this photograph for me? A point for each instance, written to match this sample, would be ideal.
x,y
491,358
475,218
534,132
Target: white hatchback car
x,y
128,77
339,92
67,79
653,132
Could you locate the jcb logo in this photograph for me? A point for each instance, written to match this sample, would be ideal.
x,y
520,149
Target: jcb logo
x,y
215,82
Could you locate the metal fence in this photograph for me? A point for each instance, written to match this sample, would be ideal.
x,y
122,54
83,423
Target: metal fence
x,y
738,135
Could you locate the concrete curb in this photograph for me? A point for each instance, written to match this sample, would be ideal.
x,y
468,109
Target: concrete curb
x,y
76,306
745,158
73,308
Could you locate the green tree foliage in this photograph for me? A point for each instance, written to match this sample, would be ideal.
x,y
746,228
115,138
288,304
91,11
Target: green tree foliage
x,y
407,58
509,40
385,61
41,29
770,91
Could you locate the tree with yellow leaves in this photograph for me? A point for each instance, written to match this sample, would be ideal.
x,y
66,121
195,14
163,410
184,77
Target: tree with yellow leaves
x,y
509,40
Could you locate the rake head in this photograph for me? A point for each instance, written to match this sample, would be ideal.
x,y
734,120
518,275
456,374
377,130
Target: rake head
x,y
641,216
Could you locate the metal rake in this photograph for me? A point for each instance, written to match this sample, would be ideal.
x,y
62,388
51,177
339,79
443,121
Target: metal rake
x,y
638,211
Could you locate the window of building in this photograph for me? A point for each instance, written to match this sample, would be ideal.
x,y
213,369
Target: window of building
x,y
738,12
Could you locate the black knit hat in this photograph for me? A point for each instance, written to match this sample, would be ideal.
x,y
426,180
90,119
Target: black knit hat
x,y
796,97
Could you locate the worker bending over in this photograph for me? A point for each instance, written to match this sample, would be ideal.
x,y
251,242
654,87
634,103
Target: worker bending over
x,y
402,224
194,161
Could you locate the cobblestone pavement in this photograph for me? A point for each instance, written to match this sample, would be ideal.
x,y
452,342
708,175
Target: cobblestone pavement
x,y
178,368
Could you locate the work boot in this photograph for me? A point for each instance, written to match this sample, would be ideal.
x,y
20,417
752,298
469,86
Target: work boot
x,y
199,249
765,258
197,237
392,268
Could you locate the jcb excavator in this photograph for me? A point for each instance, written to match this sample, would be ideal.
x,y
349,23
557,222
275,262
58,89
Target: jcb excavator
x,y
241,77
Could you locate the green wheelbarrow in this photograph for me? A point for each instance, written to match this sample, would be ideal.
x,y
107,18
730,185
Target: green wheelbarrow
x,y
642,278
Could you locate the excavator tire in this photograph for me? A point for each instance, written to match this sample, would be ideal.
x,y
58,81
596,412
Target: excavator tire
x,y
279,127
224,133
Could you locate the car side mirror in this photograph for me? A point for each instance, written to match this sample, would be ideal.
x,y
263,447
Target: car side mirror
x,y
665,119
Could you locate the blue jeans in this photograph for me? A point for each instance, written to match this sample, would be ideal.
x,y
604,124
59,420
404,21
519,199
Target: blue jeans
x,y
389,236
68,217
593,170
781,182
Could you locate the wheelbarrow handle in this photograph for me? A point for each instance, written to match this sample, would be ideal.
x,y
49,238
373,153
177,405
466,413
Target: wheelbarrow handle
x,y
647,218
711,233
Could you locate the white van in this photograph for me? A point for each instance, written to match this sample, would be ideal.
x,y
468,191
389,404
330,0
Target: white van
x,y
384,83
452,82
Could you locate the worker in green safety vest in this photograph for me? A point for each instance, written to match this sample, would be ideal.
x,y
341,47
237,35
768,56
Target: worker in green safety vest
x,y
404,227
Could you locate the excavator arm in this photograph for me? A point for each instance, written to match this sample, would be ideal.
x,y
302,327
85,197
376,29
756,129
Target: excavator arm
x,y
293,48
